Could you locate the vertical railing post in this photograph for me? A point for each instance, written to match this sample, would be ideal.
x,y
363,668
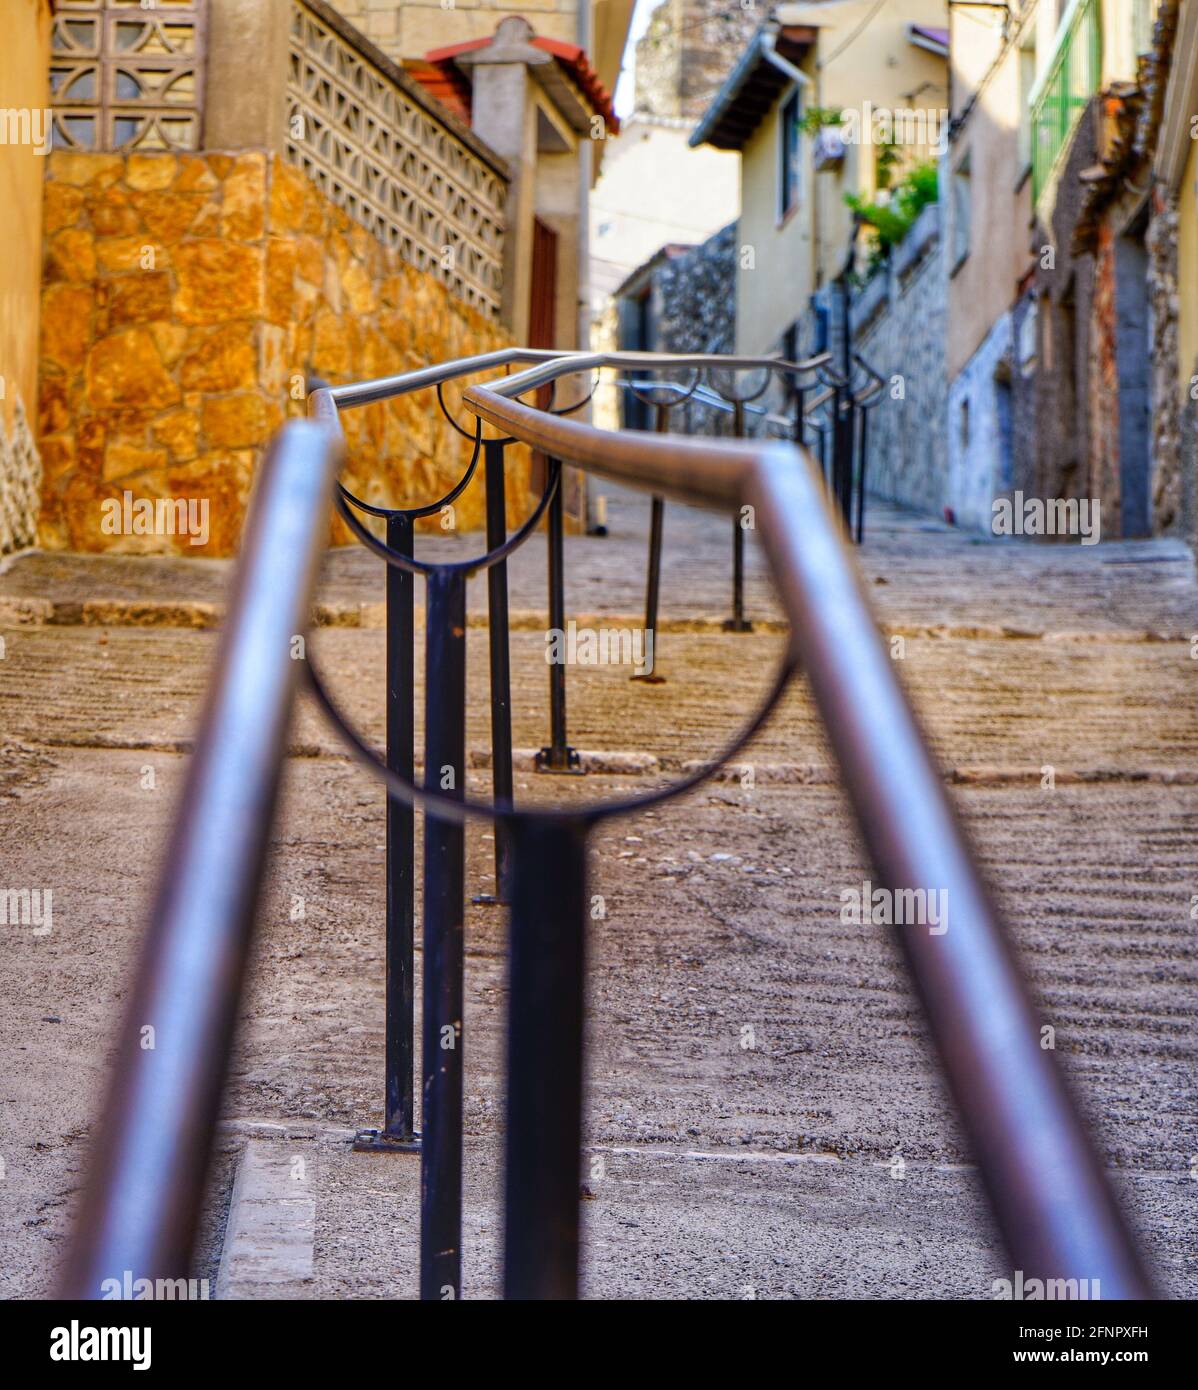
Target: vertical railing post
x,y
737,622
842,454
399,1121
653,582
832,456
399,1101
661,424
444,910
501,662
863,414
398,1133
558,756
545,1058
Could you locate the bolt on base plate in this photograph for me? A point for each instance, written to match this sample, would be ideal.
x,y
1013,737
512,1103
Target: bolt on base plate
x,y
573,766
376,1141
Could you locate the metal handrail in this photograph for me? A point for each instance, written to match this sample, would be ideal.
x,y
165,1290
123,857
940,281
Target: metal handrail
x,y
145,1186
147,1165
1047,1186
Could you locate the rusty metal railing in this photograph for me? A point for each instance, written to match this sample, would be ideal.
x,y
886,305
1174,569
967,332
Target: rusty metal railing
x,y
1045,1181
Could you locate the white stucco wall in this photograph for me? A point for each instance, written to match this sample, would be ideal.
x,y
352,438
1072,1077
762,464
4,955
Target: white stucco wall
x,y
654,189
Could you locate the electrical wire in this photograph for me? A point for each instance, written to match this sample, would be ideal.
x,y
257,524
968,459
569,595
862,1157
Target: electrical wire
x,y
850,38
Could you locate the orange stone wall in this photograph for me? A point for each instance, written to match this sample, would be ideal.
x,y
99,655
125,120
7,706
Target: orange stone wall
x,y
185,300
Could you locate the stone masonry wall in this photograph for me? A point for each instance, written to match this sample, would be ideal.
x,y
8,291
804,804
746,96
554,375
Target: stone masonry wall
x,y
696,298
907,444
1164,308
688,49
186,298
20,482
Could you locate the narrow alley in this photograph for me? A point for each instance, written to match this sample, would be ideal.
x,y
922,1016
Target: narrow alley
x,y
598,638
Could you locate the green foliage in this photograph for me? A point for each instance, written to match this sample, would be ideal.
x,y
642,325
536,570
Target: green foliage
x,y
815,118
891,221
885,163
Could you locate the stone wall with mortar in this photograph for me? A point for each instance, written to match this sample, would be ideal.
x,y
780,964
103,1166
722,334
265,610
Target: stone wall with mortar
x,y
20,481
697,306
698,296
186,298
1164,312
687,50
906,441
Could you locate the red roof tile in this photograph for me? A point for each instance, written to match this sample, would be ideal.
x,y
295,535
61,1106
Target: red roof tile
x,y
569,55
447,83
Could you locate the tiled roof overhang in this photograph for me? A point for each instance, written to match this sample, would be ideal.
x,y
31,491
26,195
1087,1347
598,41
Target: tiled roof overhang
x,y
570,60
752,88
448,84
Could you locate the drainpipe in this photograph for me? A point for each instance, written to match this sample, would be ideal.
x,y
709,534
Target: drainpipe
x,y
770,53
775,59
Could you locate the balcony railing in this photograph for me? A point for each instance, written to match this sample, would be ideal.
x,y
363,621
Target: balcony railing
x,y
1072,78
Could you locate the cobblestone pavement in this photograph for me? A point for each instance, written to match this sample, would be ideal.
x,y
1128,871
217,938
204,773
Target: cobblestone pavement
x,y
714,1169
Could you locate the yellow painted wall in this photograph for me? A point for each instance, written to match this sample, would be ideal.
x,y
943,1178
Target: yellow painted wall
x,y
24,69
775,272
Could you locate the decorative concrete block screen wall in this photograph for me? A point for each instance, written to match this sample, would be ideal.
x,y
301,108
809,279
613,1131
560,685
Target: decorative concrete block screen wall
x,y
128,76
367,135
185,299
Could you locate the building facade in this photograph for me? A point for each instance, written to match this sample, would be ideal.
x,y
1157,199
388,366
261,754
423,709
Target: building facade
x,y
660,198
1067,247
816,113
196,247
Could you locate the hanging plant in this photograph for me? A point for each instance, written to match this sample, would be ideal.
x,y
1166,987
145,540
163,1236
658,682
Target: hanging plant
x,y
816,118
891,220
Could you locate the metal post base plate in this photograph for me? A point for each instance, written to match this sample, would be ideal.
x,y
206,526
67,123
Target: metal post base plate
x,y
573,768
376,1141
